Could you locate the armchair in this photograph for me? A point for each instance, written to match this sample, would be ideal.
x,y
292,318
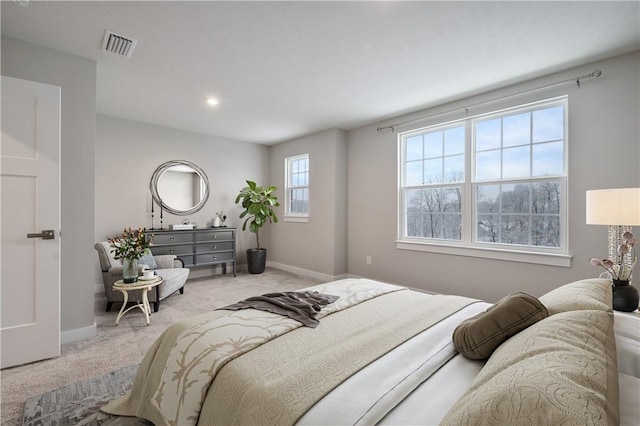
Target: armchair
x,y
170,268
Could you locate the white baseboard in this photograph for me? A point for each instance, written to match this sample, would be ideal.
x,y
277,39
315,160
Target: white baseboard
x,y
305,272
78,334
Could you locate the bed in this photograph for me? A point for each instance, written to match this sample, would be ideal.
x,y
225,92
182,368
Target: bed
x,y
383,354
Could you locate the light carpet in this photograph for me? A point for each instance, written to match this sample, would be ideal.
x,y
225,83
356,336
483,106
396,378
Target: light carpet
x,y
117,347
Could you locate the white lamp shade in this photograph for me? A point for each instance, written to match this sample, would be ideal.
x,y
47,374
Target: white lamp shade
x,y
620,206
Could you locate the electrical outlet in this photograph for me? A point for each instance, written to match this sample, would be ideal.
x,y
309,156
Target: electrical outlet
x,y
368,260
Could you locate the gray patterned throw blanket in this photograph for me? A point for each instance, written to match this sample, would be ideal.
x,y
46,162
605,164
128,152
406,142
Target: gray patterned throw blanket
x,y
301,306
255,367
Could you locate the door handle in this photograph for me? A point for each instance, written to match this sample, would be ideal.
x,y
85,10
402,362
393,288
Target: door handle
x,y
46,234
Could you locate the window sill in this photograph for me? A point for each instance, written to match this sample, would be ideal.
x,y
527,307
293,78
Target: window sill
x,y
296,219
539,258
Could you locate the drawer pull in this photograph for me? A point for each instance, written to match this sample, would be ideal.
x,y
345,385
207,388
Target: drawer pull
x,y
171,251
215,236
171,238
214,258
215,246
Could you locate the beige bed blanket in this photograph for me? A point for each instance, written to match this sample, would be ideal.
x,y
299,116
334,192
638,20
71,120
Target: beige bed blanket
x,y
275,380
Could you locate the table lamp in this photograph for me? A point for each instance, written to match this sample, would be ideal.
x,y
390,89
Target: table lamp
x,y
619,209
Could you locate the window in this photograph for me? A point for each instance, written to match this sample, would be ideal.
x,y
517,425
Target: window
x,y
494,182
297,184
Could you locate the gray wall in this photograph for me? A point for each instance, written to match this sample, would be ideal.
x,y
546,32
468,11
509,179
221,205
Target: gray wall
x,y
320,245
105,185
77,78
604,140
128,152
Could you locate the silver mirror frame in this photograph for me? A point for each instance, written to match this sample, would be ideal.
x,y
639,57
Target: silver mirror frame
x,y
157,174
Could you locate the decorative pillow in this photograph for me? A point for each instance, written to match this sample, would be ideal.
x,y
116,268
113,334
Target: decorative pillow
x,y
590,294
560,371
147,259
477,337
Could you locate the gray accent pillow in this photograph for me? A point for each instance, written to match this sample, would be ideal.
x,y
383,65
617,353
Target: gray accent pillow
x,y
147,259
477,337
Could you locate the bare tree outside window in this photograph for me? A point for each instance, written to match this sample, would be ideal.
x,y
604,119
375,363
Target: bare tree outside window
x,y
434,213
522,214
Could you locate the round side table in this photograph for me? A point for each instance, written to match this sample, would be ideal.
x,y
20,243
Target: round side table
x,y
145,286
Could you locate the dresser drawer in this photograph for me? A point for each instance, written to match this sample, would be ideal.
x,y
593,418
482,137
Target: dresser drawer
x,y
211,247
214,257
173,238
214,235
177,249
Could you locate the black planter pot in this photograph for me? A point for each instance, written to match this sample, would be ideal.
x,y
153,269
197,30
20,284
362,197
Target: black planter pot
x,y
625,296
256,260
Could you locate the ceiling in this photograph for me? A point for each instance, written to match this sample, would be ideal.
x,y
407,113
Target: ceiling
x,y
281,70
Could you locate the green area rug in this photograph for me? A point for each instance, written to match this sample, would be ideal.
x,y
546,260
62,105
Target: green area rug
x,y
79,403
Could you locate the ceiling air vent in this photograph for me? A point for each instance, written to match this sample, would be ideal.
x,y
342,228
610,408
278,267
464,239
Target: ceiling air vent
x,y
118,44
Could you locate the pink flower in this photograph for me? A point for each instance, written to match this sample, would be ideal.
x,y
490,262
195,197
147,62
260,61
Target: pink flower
x,y
623,249
621,267
628,238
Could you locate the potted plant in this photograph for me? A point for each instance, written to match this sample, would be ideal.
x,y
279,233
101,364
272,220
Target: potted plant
x,y
257,203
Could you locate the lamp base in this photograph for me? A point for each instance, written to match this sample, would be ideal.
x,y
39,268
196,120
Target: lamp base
x,y
625,296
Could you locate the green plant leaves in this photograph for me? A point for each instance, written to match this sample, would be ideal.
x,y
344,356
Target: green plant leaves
x,y
257,203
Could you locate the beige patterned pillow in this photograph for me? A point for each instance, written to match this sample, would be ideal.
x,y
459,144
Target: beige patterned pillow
x,y
560,371
589,294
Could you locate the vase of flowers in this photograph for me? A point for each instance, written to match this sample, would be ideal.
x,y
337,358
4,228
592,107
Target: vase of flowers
x,y
130,247
619,270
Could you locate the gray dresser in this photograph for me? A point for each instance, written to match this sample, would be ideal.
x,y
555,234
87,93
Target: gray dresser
x,y
198,247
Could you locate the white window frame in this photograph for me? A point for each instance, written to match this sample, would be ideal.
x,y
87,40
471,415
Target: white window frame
x,y
467,246
295,216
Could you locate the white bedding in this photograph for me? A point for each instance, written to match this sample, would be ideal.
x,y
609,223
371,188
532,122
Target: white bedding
x,y
406,373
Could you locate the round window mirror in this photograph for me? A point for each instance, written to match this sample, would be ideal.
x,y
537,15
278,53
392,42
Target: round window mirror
x,y
180,187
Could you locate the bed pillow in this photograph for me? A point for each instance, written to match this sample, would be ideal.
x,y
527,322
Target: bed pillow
x,y
147,259
477,337
561,370
589,294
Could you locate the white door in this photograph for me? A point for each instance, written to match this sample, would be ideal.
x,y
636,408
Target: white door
x,y
30,201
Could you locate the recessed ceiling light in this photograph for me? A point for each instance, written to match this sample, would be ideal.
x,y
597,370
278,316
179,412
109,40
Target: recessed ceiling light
x,y
212,101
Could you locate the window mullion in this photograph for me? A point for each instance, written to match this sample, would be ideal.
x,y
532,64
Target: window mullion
x,y
468,193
